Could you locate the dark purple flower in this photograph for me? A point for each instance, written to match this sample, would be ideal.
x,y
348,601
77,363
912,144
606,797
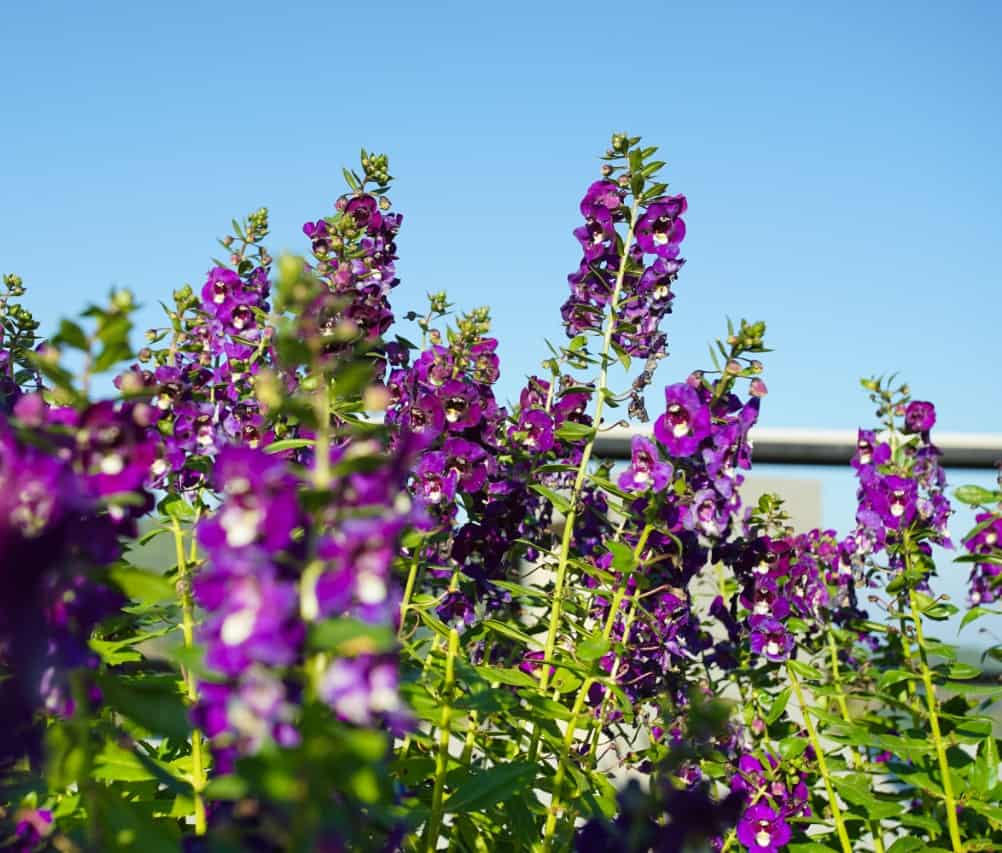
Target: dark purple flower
x,y
769,637
762,830
920,416
536,429
661,230
685,423
646,470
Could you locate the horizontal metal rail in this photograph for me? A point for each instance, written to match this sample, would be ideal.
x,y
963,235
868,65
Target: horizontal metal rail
x,y
980,451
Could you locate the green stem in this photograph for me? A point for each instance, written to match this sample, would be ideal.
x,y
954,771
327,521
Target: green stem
x,y
442,759
556,612
822,764
198,774
857,761
408,591
583,691
321,449
937,737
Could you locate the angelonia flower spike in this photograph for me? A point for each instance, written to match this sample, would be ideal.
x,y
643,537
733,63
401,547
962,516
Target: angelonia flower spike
x,y
298,575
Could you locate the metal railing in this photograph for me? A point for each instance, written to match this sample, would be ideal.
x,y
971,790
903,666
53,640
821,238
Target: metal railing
x,y
787,446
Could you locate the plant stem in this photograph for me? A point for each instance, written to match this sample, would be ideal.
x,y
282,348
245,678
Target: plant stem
x,y
408,591
585,688
442,759
565,543
857,762
937,737
822,764
321,449
198,776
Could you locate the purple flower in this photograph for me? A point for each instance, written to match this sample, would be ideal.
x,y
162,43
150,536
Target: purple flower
x,y
769,637
920,416
32,826
601,201
894,499
363,690
685,423
762,830
436,484
536,428
661,230
646,471
260,504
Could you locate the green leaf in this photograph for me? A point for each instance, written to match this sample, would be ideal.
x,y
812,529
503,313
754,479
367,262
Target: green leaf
x,y
974,613
977,496
963,671
778,705
288,444
513,677
792,747
351,637
486,788
72,335
623,559
153,703
804,670
560,503
177,507
142,586
573,431
592,648
123,826
907,844
509,631
984,775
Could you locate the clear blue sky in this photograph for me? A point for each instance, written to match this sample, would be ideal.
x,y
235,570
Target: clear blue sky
x,y
841,162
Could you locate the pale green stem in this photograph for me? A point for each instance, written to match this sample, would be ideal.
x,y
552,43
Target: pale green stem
x,y
191,685
321,450
822,764
408,591
857,761
937,737
583,690
563,558
444,735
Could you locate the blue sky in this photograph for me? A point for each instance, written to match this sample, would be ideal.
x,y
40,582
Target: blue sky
x,y
841,163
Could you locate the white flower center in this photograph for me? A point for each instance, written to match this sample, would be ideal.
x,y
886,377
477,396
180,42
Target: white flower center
x,y
238,626
241,525
371,589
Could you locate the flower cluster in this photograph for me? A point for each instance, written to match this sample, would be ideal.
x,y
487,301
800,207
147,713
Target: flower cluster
x,y
71,483
771,799
985,541
202,385
354,255
640,287
271,570
901,485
